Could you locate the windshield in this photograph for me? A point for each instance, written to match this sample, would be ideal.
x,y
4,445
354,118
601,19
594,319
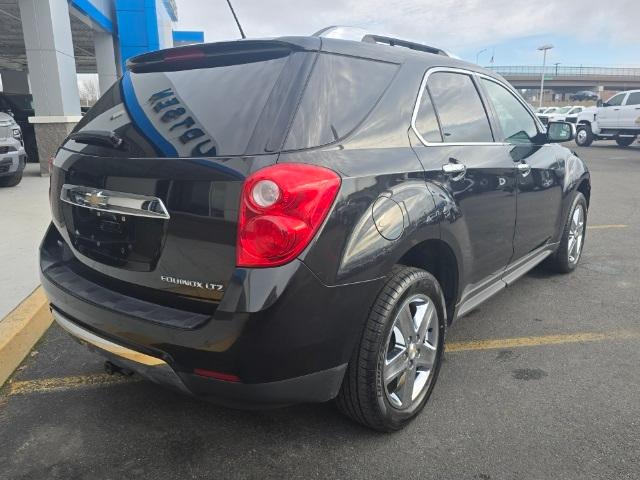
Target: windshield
x,y
564,110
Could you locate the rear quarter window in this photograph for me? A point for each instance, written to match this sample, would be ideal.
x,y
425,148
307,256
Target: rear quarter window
x,y
340,93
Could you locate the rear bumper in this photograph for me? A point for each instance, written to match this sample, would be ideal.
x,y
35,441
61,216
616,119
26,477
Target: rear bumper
x,y
318,386
292,348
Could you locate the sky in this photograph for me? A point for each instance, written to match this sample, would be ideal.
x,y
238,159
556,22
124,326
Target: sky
x,y
583,32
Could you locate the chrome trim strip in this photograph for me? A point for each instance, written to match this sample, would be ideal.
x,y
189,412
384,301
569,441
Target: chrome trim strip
x,y
103,344
525,264
471,73
509,275
152,368
480,297
120,203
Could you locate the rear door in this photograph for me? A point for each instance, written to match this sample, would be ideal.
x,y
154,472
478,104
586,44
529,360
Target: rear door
x,y
461,156
630,111
540,169
158,207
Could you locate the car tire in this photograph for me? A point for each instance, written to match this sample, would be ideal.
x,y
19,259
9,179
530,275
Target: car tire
x,y
373,393
625,141
11,180
569,251
584,136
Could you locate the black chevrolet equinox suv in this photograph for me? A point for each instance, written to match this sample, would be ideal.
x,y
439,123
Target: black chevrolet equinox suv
x,y
300,219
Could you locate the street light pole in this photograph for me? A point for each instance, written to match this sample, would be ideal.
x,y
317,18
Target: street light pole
x,y
544,49
478,54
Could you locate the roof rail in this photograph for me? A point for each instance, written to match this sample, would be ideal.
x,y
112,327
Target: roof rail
x,y
360,35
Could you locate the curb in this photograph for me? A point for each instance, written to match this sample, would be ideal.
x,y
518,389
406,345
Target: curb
x,y
21,329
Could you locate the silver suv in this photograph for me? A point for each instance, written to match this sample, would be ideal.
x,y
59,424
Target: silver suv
x,y
12,155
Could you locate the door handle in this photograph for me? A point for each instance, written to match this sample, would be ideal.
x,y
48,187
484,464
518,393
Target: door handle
x,y
458,170
524,169
452,168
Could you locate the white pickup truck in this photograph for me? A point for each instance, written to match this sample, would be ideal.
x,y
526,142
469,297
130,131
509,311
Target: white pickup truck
x,y
616,119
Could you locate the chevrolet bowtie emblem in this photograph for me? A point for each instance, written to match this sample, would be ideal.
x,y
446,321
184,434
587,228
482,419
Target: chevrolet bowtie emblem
x,y
96,199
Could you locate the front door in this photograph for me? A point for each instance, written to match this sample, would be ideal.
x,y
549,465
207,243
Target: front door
x,y
540,170
473,177
609,113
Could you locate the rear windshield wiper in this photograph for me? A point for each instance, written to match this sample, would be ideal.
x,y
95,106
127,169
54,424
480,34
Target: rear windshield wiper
x,y
98,137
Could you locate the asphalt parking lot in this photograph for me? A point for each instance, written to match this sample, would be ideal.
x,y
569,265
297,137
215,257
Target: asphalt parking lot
x,y
541,382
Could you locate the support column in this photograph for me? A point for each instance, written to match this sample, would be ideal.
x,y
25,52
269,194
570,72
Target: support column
x,y
15,81
47,37
105,60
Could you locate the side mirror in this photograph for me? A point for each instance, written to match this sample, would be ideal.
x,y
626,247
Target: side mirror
x,y
560,132
599,103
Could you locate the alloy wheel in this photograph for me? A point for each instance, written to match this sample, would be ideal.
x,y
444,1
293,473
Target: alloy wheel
x,y
411,352
576,234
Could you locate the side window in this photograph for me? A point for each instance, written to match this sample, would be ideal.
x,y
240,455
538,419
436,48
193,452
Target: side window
x,y
616,100
517,125
459,108
426,121
634,98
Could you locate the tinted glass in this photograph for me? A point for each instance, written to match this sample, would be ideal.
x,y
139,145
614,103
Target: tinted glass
x,y
616,100
462,116
340,93
426,121
224,104
634,98
195,112
515,121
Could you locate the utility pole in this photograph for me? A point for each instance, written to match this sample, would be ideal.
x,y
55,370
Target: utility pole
x,y
544,49
235,17
556,64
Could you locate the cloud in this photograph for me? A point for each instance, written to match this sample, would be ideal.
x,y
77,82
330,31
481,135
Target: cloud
x,y
451,24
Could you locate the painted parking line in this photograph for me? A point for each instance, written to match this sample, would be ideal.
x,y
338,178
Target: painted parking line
x,y
23,387
501,343
26,387
604,227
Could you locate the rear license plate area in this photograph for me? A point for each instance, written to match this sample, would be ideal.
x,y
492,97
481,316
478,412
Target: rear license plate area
x,y
118,240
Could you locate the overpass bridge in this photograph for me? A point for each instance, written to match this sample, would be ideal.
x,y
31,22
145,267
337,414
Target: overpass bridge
x,y
568,79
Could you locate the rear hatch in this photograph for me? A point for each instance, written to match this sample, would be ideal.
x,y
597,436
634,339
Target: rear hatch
x,y
146,189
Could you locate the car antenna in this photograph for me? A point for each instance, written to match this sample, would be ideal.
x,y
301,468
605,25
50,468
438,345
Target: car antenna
x,y
236,19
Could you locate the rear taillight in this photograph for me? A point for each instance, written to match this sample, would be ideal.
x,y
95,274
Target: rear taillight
x,y
281,209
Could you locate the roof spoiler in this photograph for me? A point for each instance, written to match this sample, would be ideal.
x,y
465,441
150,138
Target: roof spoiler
x,y
219,54
361,35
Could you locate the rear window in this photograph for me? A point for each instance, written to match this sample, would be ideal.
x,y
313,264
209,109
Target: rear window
x,y
232,108
634,98
340,93
206,111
